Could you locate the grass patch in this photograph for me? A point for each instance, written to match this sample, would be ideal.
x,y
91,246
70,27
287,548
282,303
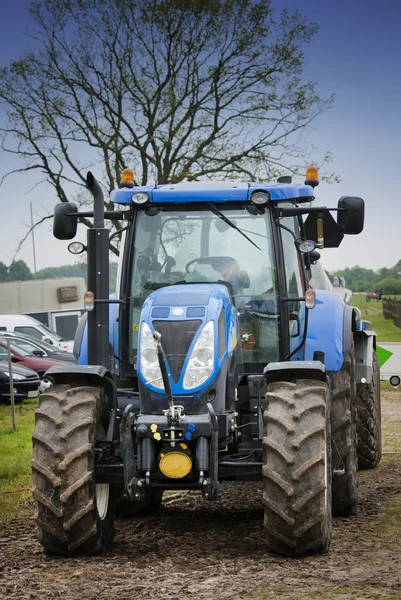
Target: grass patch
x,y
385,528
373,311
16,453
386,387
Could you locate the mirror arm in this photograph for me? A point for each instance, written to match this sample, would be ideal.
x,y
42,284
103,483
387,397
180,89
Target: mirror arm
x,y
114,215
298,210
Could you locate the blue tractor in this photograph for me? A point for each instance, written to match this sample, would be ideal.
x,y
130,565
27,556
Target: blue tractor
x,y
214,361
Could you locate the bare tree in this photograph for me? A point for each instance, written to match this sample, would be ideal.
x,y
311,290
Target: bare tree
x,y
178,89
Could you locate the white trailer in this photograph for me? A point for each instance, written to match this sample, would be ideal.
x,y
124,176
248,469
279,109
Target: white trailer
x,y
58,302
389,355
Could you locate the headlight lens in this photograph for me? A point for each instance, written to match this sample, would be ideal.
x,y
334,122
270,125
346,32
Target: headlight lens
x,y
148,361
201,363
260,197
16,377
140,197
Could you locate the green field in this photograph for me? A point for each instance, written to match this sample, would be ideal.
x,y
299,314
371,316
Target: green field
x,y
15,461
373,311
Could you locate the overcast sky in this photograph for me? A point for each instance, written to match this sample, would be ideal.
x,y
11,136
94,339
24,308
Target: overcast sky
x,y
356,55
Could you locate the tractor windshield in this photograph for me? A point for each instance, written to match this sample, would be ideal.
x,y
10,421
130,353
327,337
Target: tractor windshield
x,y
197,245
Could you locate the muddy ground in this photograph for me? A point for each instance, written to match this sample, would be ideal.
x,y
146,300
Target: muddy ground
x,y
193,549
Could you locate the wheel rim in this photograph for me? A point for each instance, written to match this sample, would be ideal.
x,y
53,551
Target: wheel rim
x,y
102,499
102,490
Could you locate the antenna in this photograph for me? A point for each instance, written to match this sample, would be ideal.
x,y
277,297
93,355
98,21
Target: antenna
x,y
156,181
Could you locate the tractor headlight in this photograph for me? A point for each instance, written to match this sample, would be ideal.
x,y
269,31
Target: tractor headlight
x,y
260,197
149,363
201,362
140,197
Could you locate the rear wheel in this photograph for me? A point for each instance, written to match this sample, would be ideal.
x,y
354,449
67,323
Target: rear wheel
x,y
74,515
369,420
343,432
297,468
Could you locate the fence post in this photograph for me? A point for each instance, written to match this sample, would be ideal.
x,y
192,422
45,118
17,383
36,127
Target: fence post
x,y
10,372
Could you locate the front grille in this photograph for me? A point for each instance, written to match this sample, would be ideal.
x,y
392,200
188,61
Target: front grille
x,y
176,339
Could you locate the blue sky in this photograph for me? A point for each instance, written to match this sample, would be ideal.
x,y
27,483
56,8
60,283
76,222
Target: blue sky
x,y
356,55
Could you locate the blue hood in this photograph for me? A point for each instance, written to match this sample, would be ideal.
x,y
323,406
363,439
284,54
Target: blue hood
x,y
180,313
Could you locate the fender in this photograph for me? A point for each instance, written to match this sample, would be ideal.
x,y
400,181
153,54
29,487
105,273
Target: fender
x,y
299,369
365,345
91,375
326,330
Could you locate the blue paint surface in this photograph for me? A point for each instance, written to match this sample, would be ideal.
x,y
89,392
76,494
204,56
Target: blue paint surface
x,y
215,297
214,191
113,337
326,329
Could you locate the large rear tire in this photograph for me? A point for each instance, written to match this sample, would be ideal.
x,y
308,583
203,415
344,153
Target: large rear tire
x,y
297,468
369,420
343,433
74,515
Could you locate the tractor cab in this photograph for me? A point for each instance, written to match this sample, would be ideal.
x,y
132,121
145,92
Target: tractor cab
x,y
188,236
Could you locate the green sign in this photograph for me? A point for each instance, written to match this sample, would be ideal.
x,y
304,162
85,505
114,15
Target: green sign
x,y
383,355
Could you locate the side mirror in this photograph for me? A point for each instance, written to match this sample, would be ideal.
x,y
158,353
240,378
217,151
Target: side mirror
x,y
48,340
295,325
350,220
65,227
314,256
38,353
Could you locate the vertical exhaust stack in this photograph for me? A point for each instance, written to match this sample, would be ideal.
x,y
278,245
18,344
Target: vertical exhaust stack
x,y
98,279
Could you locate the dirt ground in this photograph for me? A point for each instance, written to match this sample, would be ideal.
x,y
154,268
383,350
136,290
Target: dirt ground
x,y
195,549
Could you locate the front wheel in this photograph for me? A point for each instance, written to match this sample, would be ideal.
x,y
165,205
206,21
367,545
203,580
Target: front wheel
x,y
297,468
74,515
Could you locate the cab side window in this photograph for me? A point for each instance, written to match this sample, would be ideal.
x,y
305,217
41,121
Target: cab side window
x,y
294,278
292,260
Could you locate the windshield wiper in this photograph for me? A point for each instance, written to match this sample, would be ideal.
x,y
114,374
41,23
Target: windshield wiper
x,y
222,216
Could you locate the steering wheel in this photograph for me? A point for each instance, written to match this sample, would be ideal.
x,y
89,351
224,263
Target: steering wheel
x,y
219,263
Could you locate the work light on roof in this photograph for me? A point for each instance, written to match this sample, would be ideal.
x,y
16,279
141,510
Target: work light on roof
x,y
140,197
260,197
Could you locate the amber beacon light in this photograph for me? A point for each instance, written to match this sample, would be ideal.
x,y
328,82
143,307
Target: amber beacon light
x,y
127,179
312,176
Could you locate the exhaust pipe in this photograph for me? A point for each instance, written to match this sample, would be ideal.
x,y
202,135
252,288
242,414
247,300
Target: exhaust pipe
x,y
98,200
98,280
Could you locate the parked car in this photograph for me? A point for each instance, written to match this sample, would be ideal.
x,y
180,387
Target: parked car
x,y
26,359
25,381
33,327
38,347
